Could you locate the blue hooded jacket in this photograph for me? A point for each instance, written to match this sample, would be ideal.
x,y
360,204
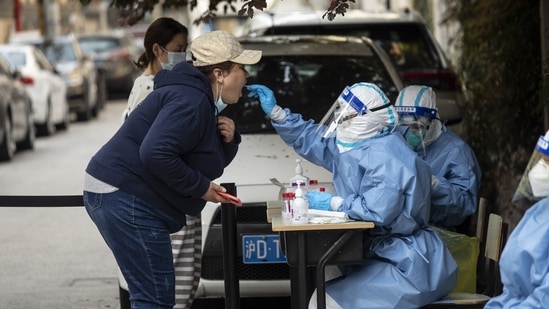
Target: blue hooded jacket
x,y
169,148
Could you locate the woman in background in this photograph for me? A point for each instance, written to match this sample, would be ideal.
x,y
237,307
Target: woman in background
x,y
165,44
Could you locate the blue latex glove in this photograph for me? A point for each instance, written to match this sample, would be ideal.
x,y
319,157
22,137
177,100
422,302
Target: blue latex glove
x,y
266,97
319,200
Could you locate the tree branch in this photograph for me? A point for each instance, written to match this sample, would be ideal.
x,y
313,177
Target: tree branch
x,y
133,11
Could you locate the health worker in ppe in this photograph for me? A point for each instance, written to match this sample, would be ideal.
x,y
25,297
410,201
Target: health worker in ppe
x,y
523,264
456,172
377,178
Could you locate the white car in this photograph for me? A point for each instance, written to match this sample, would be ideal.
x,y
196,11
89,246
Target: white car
x,y
77,69
44,85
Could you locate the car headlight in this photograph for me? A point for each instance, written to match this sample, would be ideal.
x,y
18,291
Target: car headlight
x,y
73,79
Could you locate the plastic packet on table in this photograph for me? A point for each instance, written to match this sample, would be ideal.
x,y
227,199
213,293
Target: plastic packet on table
x,y
326,216
325,220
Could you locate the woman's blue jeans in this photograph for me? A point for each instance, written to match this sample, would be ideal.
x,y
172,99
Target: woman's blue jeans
x,y
139,237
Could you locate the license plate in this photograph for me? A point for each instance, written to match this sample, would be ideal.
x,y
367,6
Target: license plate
x,y
258,249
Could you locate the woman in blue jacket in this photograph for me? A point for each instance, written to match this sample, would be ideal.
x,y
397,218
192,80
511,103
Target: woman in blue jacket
x,y
159,166
377,178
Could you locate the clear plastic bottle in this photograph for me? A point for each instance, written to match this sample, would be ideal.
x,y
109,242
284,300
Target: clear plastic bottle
x,y
287,201
299,178
300,207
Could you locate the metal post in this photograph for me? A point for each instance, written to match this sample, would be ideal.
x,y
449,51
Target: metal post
x,y
320,283
230,255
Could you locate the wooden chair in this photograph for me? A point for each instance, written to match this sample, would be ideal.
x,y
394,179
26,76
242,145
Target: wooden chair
x,y
482,219
496,236
482,223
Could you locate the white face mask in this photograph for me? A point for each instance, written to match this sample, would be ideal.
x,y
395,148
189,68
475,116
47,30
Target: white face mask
x,y
539,179
173,59
219,104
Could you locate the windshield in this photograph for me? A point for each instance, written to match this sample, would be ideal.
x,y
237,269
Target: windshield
x,y
306,84
16,59
59,52
408,40
98,45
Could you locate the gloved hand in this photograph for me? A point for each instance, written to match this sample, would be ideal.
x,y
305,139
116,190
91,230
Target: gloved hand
x,y
266,97
319,200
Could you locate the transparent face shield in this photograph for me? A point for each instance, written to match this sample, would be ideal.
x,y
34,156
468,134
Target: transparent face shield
x,y
346,107
418,120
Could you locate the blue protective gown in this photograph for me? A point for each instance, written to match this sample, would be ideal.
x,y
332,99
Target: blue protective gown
x,y
524,263
406,264
456,167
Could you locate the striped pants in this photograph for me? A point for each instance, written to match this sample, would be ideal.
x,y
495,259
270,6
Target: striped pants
x,y
187,257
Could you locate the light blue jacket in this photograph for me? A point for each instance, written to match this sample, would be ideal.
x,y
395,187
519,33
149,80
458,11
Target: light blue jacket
x,y
382,180
524,263
456,167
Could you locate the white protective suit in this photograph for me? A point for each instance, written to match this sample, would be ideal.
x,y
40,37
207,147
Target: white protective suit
x,y
524,263
381,180
452,161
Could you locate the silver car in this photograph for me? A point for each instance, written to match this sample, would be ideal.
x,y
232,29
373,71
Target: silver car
x,y
16,115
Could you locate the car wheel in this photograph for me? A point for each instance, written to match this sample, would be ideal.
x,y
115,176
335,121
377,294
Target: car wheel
x,y
102,91
47,128
129,85
86,113
124,298
65,123
8,147
30,136
95,99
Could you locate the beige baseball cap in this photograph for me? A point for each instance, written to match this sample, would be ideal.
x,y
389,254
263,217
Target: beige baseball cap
x,y
219,46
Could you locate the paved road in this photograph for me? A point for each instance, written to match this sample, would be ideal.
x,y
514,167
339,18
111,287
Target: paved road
x,y
54,258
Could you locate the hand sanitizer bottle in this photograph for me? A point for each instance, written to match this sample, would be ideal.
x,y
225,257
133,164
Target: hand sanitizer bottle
x,y
299,178
300,210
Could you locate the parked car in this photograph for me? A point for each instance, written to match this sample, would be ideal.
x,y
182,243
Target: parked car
x,y
45,86
137,33
16,116
77,69
114,54
404,35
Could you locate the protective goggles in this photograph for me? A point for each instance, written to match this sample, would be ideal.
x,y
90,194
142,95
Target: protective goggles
x,y
417,111
543,145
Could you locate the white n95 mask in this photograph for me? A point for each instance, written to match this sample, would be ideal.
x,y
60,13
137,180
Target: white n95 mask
x,y
539,179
